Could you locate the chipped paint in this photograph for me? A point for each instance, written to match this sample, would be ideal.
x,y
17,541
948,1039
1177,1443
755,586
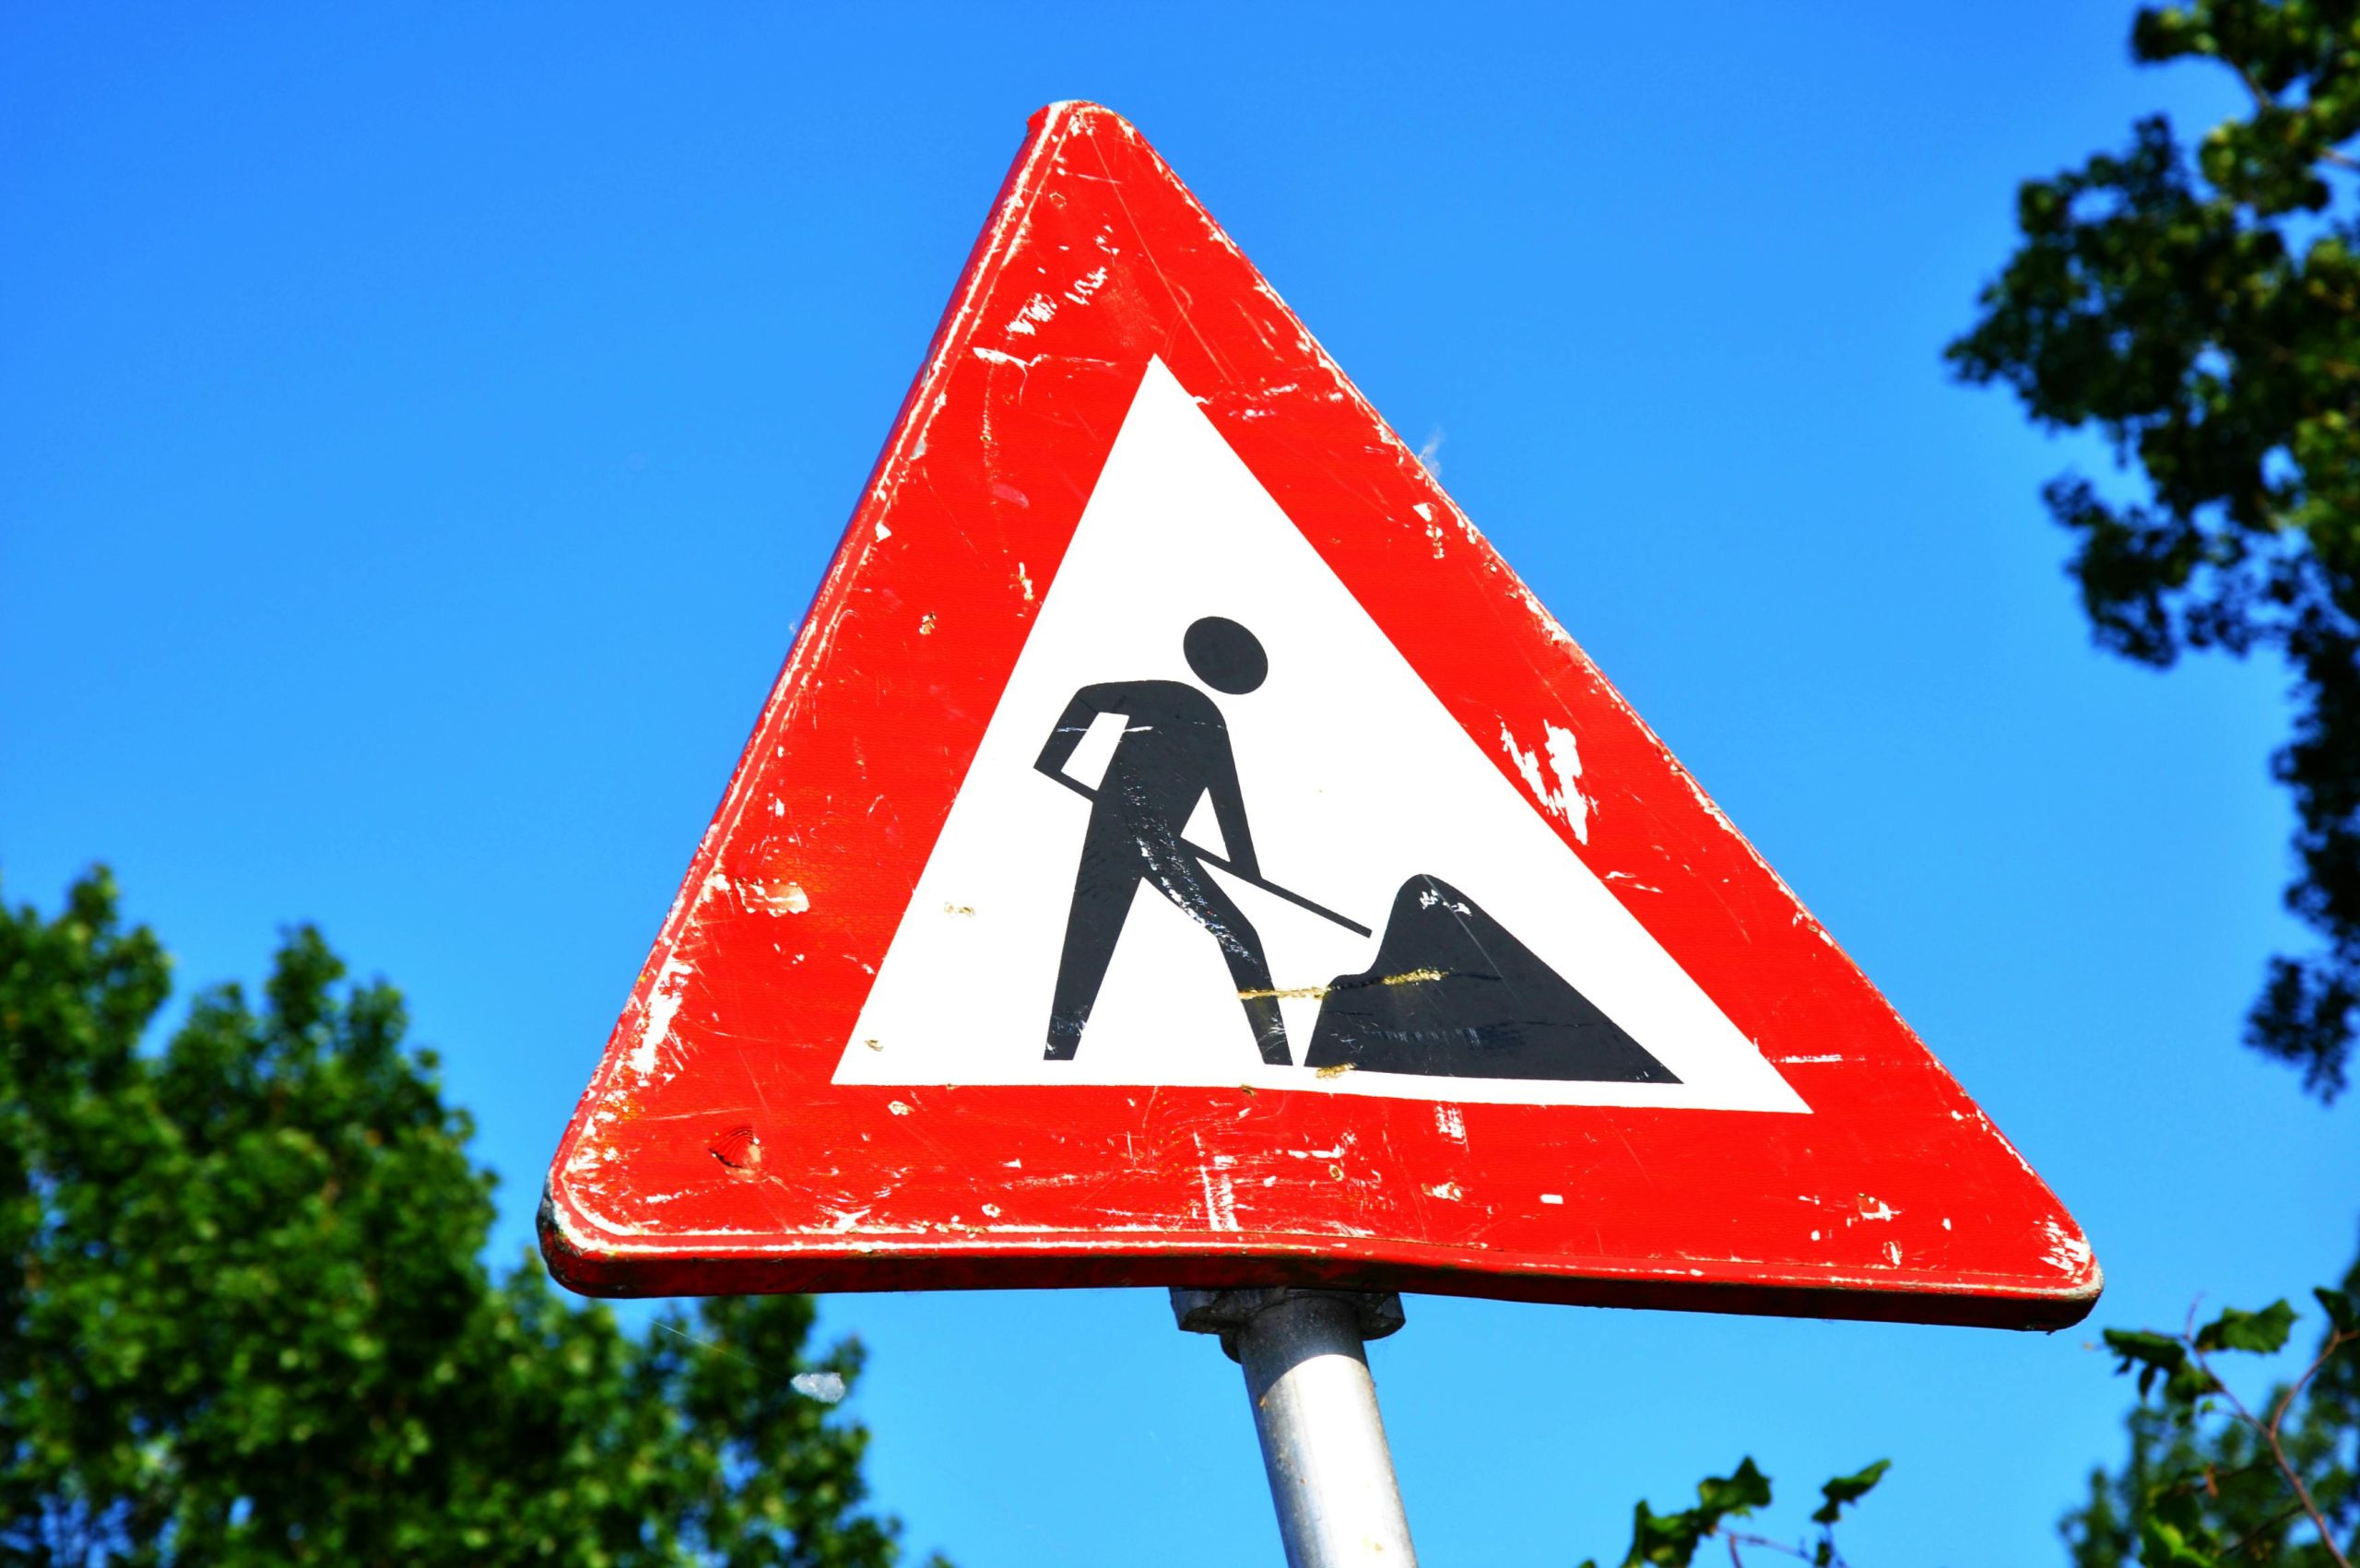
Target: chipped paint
x,y
1036,311
2067,1251
994,356
663,1006
780,898
1567,800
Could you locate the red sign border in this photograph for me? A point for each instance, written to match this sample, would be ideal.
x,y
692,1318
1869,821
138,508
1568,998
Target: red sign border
x,y
593,1250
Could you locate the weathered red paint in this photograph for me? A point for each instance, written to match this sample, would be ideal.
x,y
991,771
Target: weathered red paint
x,y
712,1153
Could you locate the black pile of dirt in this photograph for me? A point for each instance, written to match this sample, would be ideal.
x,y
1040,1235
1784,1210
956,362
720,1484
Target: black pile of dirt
x,y
1452,995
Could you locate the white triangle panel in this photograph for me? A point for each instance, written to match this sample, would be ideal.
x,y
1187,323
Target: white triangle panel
x,y
1355,780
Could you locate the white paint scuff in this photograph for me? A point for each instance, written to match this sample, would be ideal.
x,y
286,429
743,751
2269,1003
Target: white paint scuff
x,y
1036,310
2068,1254
994,356
1566,762
663,1006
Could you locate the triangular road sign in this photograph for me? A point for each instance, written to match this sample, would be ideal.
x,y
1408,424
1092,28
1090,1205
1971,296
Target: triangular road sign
x,y
1179,851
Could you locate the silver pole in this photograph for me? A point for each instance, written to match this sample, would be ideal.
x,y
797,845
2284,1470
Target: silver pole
x,y
1314,1409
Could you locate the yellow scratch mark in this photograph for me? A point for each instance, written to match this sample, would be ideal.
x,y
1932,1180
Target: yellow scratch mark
x,y
1339,1070
1407,977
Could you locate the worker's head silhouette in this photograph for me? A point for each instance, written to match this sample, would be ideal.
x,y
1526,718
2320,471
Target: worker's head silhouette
x,y
1225,655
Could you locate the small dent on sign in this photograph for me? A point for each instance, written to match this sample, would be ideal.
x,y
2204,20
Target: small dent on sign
x,y
739,1151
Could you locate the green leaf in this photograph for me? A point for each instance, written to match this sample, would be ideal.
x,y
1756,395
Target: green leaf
x,y
1850,1488
2154,1355
1669,1541
2339,1309
2262,1333
2173,1533
1740,1491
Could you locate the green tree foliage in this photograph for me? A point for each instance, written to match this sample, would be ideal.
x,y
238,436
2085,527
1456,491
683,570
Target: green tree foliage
x,y
1672,1541
2216,1481
2202,309
244,1317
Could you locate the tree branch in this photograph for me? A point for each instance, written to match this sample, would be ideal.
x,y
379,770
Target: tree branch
x,y
2269,1432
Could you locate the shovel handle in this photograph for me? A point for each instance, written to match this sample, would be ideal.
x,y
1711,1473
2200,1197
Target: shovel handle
x,y
1209,858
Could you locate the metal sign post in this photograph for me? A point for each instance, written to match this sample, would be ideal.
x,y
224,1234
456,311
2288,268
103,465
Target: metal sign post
x,y
1314,1409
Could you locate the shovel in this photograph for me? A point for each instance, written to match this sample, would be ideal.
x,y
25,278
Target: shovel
x,y
1209,858
1452,994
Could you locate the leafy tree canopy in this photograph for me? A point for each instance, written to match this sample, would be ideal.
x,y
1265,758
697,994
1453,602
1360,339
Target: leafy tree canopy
x,y
2201,308
244,1317
2214,1479
2218,1480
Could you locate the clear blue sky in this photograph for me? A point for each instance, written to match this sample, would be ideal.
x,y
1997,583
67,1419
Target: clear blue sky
x,y
419,434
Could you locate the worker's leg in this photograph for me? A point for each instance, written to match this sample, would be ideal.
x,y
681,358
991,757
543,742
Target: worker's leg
x,y
1103,889
1188,886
